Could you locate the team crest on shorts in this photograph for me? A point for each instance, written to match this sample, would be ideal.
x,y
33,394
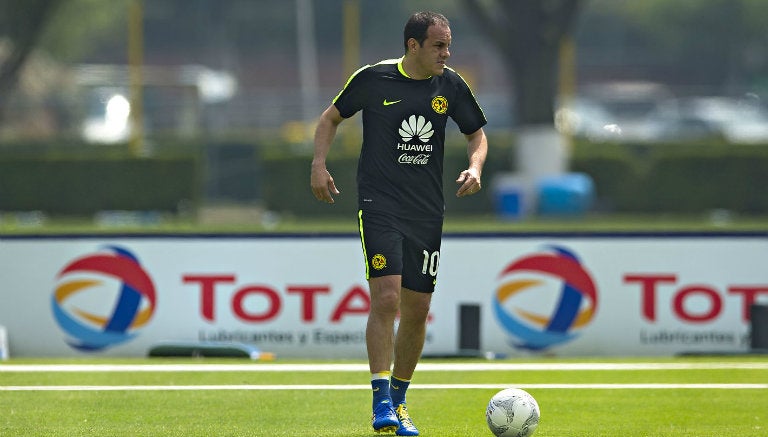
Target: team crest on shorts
x,y
440,104
378,261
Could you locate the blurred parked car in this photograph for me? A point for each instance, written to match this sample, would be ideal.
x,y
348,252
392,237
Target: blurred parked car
x,y
629,105
690,118
584,118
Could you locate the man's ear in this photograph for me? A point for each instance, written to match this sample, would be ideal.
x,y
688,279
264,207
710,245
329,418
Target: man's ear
x,y
412,44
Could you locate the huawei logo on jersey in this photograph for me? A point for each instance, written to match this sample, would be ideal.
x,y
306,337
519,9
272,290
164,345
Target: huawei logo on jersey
x,y
416,126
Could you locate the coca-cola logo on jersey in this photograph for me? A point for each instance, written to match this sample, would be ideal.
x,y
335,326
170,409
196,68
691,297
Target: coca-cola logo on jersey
x,y
420,159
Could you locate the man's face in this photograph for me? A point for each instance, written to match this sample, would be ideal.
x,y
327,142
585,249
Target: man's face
x,y
431,56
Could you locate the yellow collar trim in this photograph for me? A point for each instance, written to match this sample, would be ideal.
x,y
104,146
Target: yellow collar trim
x,y
402,70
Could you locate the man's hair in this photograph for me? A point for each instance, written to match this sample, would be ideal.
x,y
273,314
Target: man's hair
x,y
417,26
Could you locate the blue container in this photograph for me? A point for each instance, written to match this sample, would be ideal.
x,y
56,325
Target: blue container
x,y
569,194
509,197
509,204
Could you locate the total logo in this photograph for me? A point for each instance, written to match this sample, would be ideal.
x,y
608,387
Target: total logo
x,y
103,299
544,299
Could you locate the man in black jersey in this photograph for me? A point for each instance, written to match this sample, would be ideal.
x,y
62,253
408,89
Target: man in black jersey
x,y
406,104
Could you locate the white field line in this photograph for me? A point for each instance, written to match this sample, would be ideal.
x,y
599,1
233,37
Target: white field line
x,y
368,387
360,367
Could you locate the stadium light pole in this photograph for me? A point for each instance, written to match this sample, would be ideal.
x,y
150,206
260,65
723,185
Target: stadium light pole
x,y
351,44
308,70
351,37
136,78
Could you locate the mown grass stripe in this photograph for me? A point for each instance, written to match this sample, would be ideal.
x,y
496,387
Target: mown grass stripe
x,y
424,367
367,387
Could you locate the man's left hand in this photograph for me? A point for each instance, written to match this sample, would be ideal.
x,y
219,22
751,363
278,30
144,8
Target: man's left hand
x,y
469,181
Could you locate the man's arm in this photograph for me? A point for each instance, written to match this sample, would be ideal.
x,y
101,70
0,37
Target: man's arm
x,y
477,150
321,180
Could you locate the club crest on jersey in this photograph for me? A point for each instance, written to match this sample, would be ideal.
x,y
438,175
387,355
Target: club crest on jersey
x,y
378,261
440,104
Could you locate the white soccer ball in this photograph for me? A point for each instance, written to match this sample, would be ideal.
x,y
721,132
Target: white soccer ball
x,y
512,412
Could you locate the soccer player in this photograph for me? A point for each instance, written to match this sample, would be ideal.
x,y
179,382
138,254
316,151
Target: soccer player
x,y
406,104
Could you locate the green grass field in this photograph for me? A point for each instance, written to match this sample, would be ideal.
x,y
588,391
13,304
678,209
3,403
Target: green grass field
x,y
703,396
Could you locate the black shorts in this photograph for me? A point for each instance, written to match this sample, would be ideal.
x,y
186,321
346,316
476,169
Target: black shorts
x,y
396,246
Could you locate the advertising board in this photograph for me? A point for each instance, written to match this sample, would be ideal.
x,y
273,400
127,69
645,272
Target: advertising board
x,y
306,296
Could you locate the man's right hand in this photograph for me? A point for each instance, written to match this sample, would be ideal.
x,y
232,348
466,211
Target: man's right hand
x,y
322,183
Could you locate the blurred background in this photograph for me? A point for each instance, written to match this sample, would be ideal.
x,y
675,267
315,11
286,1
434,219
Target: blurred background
x,y
131,111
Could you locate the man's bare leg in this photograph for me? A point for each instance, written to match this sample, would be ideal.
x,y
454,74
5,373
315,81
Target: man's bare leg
x,y
412,331
379,333
409,342
379,337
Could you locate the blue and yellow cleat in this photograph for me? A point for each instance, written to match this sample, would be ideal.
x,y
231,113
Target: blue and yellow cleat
x,y
406,424
384,418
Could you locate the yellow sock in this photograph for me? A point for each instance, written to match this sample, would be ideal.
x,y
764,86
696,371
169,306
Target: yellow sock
x,y
380,375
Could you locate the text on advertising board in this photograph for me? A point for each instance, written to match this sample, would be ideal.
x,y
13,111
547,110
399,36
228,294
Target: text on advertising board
x,y
655,286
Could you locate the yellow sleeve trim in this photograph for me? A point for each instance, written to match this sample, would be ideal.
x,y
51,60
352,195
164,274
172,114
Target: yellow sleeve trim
x,y
348,81
386,61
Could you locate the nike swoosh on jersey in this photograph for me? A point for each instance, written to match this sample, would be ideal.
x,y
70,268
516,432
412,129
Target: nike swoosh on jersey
x,y
387,103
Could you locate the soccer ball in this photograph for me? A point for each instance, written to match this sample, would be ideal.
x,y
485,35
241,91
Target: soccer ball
x,y
512,412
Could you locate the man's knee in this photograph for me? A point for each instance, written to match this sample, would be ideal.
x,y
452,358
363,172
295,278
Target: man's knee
x,y
414,306
385,294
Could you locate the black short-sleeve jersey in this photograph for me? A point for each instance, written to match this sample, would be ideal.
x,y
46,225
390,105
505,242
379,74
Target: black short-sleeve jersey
x,y
400,170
